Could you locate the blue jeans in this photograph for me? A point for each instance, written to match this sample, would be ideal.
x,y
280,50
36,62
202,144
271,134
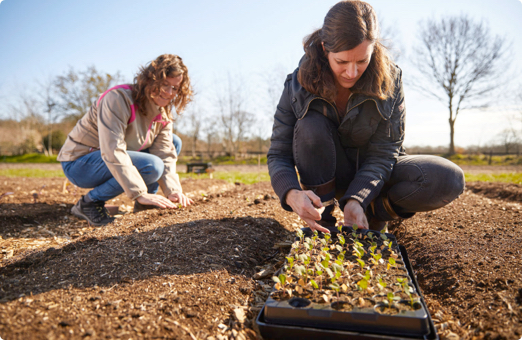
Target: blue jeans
x,y
90,171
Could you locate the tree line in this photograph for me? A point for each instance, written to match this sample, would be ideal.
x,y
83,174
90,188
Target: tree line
x,y
458,61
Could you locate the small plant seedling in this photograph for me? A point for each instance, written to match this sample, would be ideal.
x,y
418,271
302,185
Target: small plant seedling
x,y
375,258
342,241
391,298
280,281
362,284
300,270
335,286
361,263
391,263
290,262
383,234
300,234
327,237
381,284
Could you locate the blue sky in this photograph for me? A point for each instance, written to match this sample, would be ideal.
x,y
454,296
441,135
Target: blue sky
x,y
251,39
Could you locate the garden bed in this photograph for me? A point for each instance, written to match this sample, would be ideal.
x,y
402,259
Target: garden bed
x,y
193,273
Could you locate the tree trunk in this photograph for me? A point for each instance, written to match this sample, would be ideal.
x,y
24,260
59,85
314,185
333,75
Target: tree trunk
x,y
451,150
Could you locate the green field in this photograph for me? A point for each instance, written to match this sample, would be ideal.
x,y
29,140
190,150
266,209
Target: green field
x,y
507,178
250,177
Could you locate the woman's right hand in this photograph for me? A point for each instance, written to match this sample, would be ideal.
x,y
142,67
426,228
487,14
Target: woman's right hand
x,y
308,206
157,200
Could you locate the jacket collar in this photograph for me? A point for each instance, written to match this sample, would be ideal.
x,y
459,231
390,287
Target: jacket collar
x,y
301,99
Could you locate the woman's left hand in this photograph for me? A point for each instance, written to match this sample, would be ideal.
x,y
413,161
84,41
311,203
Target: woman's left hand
x,y
354,214
180,198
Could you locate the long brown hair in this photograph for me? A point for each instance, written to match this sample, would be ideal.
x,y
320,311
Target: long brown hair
x,y
150,78
346,25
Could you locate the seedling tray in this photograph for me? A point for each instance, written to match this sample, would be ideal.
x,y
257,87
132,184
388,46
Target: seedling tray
x,y
298,317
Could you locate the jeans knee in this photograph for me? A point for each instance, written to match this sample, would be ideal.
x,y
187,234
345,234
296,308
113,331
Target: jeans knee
x,y
153,171
177,143
314,128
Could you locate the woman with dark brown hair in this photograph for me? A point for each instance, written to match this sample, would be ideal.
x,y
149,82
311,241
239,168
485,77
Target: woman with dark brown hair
x,y
340,122
125,143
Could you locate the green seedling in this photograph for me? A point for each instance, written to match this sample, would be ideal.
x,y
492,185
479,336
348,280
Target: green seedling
x,y
391,263
338,270
290,262
326,262
327,237
330,273
280,281
340,229
388,243
359,251
354,231
335,286
391,298
361,263
341,238
362,284
375,258
381,284
314,284
383,234
300,270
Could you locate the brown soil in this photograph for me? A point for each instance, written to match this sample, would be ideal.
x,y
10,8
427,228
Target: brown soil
x,y
190,273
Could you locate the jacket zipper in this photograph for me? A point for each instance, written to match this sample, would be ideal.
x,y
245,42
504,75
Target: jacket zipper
x,y
308,106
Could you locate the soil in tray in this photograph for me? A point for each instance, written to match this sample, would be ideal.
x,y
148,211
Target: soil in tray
x,y
345,266
332,281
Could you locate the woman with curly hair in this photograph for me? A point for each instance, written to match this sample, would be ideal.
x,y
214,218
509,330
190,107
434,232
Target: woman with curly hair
x,y
125,143
340,122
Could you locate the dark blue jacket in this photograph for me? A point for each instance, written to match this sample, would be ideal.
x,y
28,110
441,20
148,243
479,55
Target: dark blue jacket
x,y
372,132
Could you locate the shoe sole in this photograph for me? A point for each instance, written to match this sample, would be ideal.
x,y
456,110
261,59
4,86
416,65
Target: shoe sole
x,y
76,212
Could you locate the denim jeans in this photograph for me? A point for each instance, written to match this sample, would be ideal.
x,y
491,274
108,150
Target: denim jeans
x,y
417,183
90,171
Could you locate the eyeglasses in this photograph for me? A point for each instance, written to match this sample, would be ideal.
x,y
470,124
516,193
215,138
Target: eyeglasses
x,y
167,89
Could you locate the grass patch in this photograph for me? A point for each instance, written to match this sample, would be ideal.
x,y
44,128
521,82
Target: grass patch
x,y
482,159
36,173
29,158
506,178
233,176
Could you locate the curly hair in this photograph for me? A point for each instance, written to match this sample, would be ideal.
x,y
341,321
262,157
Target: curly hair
x,y
150,78
346,25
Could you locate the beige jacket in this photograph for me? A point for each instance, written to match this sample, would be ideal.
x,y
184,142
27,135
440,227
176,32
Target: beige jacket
x,y
114,125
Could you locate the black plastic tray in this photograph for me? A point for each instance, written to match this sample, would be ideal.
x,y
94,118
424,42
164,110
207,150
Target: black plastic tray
x,y
278,320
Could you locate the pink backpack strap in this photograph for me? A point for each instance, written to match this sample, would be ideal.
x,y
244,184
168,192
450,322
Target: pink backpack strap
x,y
132,107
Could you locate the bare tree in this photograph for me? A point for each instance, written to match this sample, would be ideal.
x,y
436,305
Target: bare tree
x,y
48,99
195,119
390,37
210,130
78,90
462,63
509,139
235,121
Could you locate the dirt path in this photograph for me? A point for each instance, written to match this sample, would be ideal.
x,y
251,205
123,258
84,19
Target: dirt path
x,y
188,274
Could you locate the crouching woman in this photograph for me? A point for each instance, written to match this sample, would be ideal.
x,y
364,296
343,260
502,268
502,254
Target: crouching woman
x,y
340,122
125,143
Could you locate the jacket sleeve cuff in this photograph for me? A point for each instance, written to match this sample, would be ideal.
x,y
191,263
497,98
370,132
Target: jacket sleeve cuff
x,y
282,184
362,189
